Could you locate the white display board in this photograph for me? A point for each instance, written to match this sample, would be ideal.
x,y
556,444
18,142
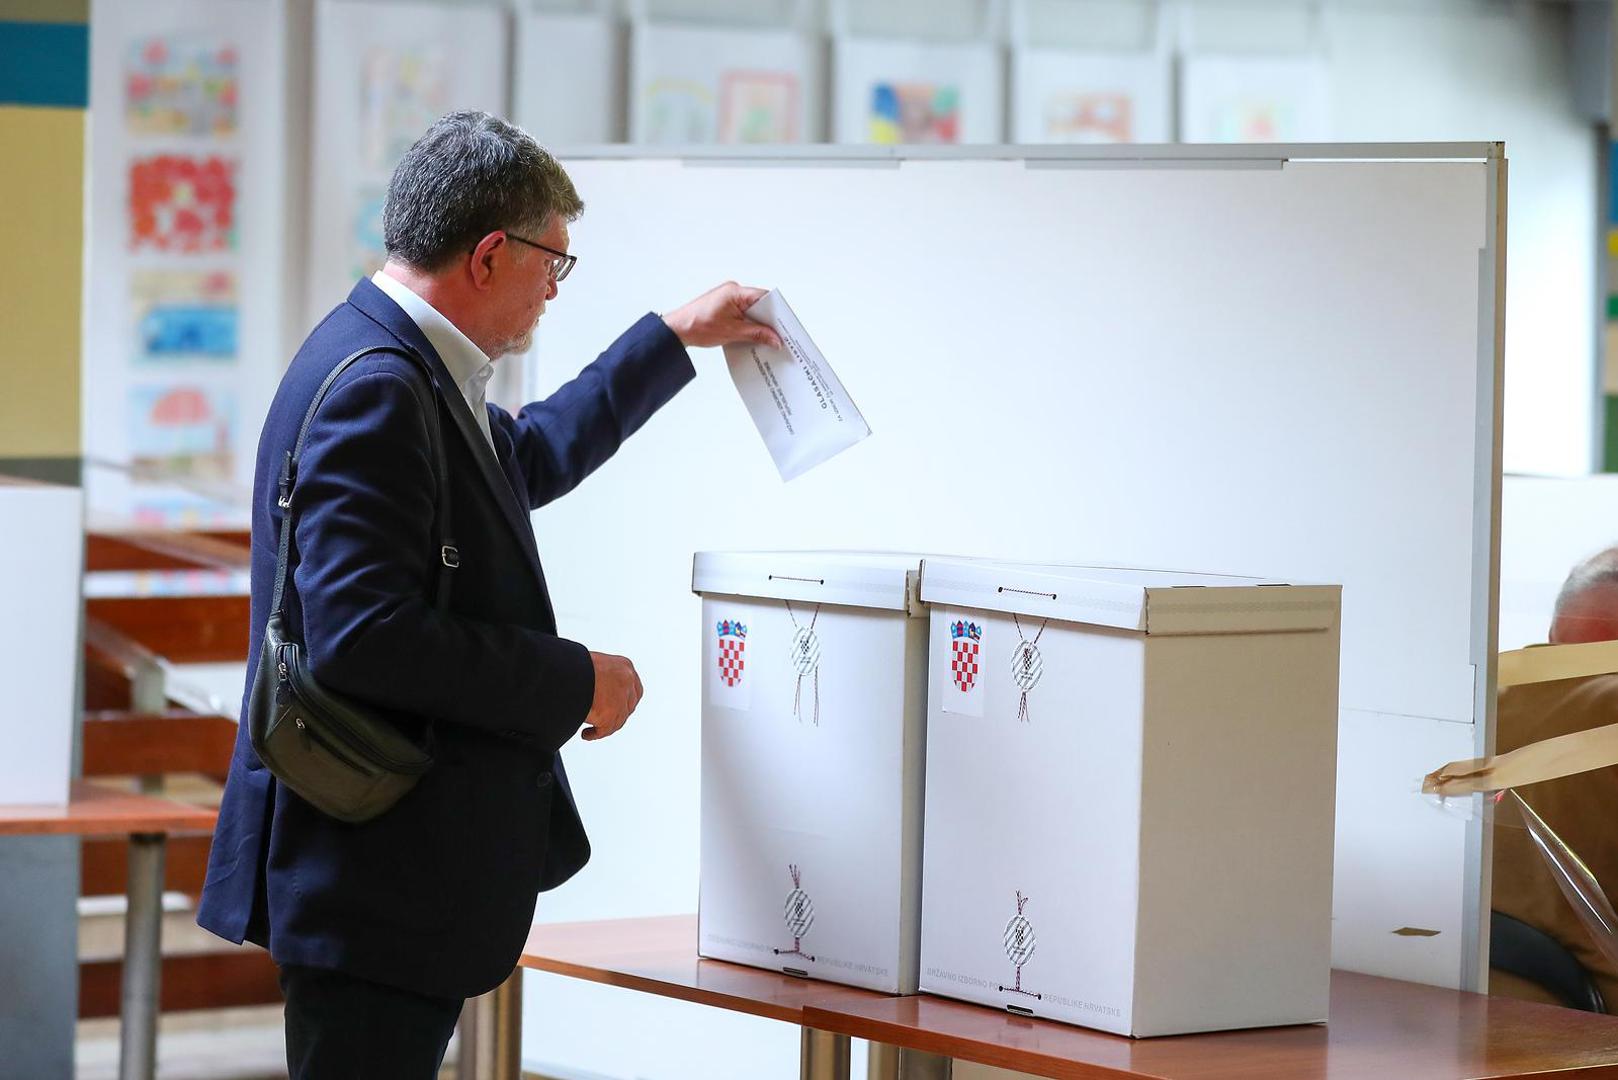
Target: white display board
x,y
185,249
41,559
1215,358
696,84
384,71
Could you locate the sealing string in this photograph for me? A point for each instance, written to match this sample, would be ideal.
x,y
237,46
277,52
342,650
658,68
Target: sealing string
x,y
806,659
1020,944
1027,665
799,914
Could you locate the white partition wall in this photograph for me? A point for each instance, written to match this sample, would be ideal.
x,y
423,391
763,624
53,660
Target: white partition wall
x,y
1246,360
41,559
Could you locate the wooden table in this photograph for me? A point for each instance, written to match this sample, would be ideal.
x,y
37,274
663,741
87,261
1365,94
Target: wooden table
x,y
146,821
1381,1029
659,956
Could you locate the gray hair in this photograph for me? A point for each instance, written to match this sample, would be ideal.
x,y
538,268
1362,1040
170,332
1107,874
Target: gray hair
x,y
1600,569
469,175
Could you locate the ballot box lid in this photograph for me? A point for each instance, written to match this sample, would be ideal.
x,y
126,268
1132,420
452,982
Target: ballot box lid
x,y
872,579
1147,601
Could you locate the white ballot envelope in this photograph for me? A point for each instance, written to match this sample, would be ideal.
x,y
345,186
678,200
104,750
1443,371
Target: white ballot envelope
x,y
794,397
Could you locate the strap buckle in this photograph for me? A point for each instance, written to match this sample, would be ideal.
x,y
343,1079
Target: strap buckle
x,y
289,472
450,555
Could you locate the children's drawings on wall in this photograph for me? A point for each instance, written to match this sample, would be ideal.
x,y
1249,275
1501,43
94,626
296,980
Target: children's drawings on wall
x,y
915,112
182,203
178,509
1255,99
367,251
402,91
704,85
181,85
182,429
1059,96
678,111
183,315
759,107
1089,118
384,72
917,92
1252,120
186,169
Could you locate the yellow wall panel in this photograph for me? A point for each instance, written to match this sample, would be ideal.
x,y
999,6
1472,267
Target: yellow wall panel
x,y
41,270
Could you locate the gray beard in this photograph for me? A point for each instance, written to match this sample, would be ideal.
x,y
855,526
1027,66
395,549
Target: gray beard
x,y
520,344
513,346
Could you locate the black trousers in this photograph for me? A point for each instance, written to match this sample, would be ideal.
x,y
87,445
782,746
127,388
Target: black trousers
x,y
342,1028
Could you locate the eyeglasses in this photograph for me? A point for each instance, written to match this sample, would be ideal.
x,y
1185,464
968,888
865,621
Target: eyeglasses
x,y
561,265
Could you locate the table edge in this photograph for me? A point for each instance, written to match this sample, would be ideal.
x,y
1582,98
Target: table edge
x,y
647,985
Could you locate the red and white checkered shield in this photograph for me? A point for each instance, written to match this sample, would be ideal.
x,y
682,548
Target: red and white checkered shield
x,y
966,638
732,651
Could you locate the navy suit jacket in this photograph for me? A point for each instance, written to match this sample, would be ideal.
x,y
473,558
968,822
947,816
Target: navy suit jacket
x,y
437,894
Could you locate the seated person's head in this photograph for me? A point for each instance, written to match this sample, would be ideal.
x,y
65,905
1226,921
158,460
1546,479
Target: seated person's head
x,y
1587,607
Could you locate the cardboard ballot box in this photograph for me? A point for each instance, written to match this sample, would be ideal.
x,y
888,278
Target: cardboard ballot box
x,y
814,697
1130,792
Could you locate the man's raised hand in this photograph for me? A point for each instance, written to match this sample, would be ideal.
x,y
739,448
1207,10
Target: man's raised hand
x,y
719,317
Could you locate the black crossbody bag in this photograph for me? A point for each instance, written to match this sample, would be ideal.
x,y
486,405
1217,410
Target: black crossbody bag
x,y
344,757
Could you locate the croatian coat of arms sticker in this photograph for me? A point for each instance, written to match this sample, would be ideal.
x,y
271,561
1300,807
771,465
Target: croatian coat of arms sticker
x,y
729,680
961,686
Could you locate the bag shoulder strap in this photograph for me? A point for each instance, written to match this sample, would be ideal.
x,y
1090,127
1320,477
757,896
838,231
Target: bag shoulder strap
x,y
448,555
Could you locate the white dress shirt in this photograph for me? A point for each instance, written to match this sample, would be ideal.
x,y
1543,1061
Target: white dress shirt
x,y
467,364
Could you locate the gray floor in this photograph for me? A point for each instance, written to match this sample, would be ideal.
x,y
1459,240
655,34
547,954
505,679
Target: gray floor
x,y
216,1044
211,1044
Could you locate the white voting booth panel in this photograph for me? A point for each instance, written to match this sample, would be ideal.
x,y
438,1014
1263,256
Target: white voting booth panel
x,y
1129,803
41,558
812,711
1273,360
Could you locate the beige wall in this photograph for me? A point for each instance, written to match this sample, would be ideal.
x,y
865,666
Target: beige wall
x,y
42,238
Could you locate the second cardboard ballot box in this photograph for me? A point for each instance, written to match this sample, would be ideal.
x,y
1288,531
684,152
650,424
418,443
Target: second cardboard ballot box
x,y
814,697
1130,793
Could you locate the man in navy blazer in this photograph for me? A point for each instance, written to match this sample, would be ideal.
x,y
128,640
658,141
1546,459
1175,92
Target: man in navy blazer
x,y
382,929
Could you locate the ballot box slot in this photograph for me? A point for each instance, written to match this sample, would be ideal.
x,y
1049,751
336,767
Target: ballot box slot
x,y
1026,592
